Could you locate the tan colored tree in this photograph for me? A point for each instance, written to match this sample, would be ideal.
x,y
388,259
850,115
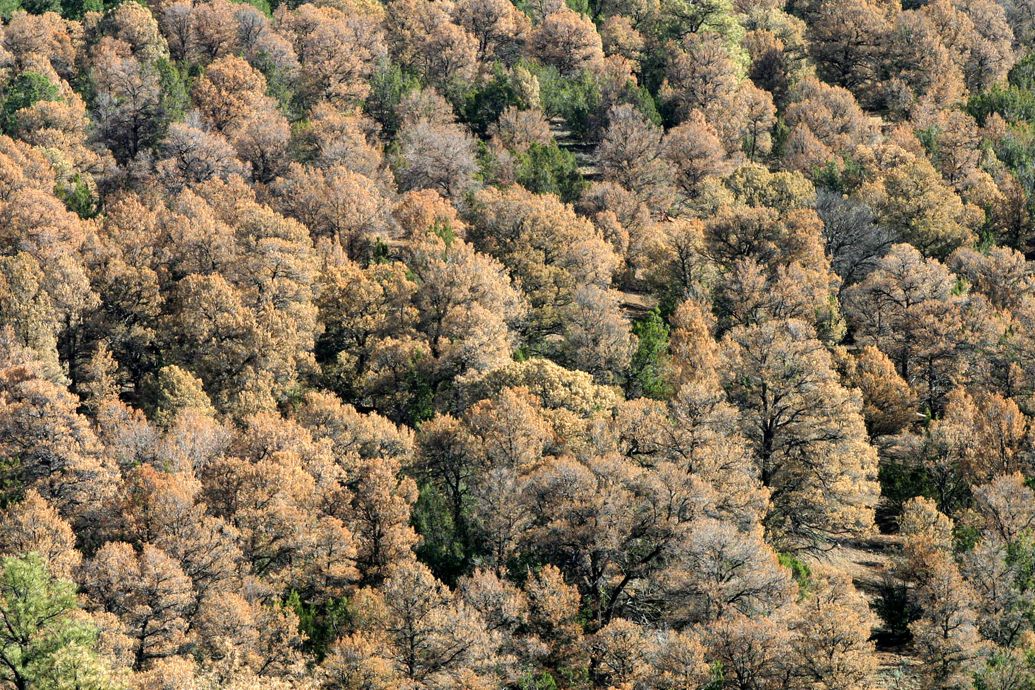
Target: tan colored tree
x,y
37,226
631,155
261,140
989,570
721,571
191,155
545,245
166,509
889,405
925,529
697,153
596,334
351,433
676,259
553,611
831,115
337,50
428,634
148,592
138,27
423,36
227,632
754,652
980,38
359,661
1002,274
216,334
425,105
229,91
334,202
925,76
622,219
509,436
380,516
33,525
359,307
946,635
696,447
212,25
1006,506
619,654
517,130
680,663
420,211
569,41
700,75
45,444
27,309
501,29
832,646
695,354
911,200
128,113
846,39
752,131
763,234
128,286
341,136
909,308
466,303
588,517
46,37
807,432
750,294
986,434
502,604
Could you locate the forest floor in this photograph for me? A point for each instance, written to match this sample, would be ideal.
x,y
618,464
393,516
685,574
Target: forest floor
x,y
870,563
584,151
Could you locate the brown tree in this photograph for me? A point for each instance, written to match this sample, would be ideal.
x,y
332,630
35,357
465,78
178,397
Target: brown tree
x,y
596,334
434,156
569,41
427,634
544,244
33,525
45,444
909,308
424,37
630,154
697,153
149,594
807,432
500,28
911,200
337,50
334,202
946,634
846,38
889,405
832,646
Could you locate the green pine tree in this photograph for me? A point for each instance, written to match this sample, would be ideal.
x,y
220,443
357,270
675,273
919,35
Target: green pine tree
x,y
650,362
43,645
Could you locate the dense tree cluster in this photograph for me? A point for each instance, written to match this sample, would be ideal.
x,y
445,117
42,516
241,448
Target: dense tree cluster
x,y
526,345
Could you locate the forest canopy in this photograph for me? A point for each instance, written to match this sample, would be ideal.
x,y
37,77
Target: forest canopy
x,y
517,345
